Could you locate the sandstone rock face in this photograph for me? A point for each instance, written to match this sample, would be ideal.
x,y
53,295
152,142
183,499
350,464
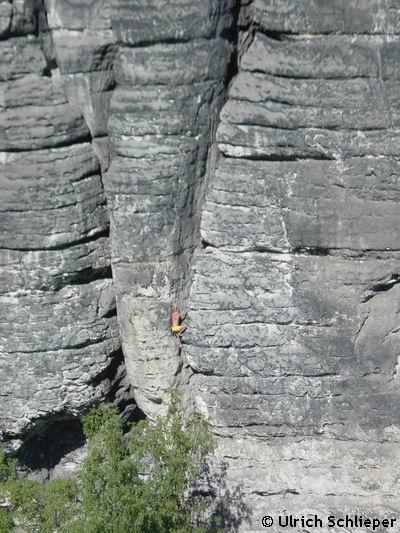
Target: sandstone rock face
x,y
263,196
293,334
170,84
59,338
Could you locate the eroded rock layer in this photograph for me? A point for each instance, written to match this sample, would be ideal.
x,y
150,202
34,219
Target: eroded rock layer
x,y
280,234
171,71
293,334
59,339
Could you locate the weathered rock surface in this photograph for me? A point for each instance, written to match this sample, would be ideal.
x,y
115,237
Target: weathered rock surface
x,y
293,334
21,56
265,200
84,46
327,16
59,338
59,327
5,17
161,120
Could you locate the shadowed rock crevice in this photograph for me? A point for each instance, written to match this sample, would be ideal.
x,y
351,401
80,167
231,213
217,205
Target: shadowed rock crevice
x,y
55,445
311,251
231,35
43,33
90,274
283,157
155,183
383,286
59,247
52,439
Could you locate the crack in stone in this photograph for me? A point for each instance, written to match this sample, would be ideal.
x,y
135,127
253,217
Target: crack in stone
x,y
382,286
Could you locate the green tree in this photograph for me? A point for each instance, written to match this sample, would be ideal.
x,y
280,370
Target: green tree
x,y
32,505
142,481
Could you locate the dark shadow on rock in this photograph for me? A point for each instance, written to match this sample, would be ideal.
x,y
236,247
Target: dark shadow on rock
x,y
120,390
228,509
55,436
51,439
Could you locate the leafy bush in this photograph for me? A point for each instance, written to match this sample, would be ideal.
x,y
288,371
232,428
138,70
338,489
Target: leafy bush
x,y
141,481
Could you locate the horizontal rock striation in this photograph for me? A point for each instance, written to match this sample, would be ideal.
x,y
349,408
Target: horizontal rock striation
x,y
263,196
83,47
293,329
59,339
170,70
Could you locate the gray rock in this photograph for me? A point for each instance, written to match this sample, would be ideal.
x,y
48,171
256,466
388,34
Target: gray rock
x,y
59,338
58,343
53,122
91,93
292,335
101,148
83,51
310,204
257,325
294,104
23,17
161,118
257,142
331,56
311,477
86,14
84,48
279,233
32,90
53,269
53,182
171,64
163,21
352,16
5,17
32,333
21,56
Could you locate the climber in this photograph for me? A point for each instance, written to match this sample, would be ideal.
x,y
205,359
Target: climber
x,y
177,327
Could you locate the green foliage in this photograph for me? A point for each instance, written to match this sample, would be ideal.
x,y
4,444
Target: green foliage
x,y
139,482
32,505
7,467
43,508
6,521
6,472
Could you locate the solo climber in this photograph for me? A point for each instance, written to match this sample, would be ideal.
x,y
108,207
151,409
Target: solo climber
x,y
177,328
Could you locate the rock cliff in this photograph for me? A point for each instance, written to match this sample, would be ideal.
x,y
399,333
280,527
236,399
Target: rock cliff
x,y
60,344
293,334
242,161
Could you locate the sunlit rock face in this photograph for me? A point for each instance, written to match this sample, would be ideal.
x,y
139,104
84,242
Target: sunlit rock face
x,y
59,337
171,71
293,334
246,160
